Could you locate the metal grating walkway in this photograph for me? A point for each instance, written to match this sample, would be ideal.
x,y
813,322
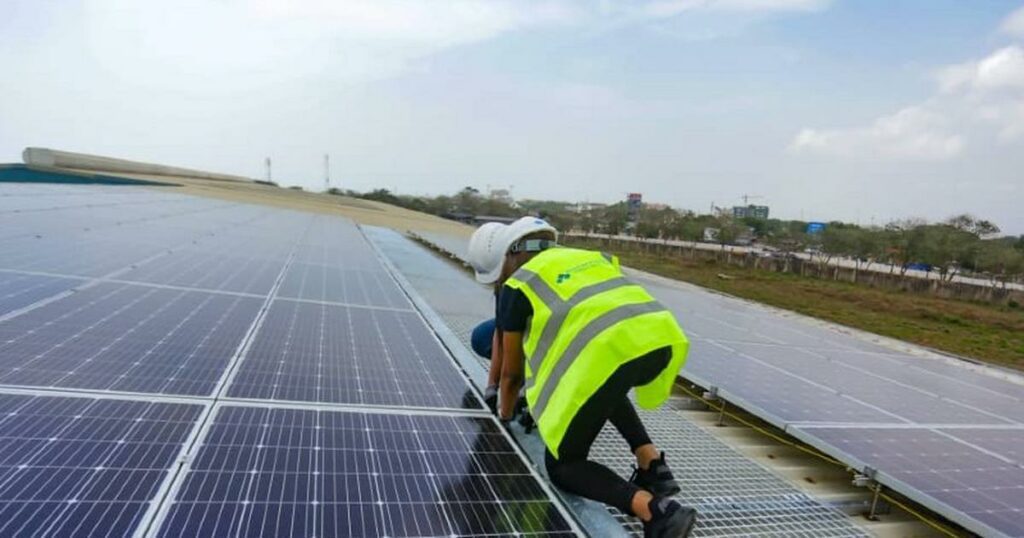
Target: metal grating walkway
x,y
735,496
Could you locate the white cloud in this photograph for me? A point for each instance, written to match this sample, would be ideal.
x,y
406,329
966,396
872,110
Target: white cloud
x,y
668,8
1013,24
1001,70
912,133
240,43
987,94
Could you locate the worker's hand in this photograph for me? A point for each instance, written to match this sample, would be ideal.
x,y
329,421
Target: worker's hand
x,y
491,398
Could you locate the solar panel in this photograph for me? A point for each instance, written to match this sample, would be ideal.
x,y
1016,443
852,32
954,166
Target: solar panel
x,y
341,354
126,338
293,472
203,269
84,467
340,284
18,290
1005,442
946,471
902,402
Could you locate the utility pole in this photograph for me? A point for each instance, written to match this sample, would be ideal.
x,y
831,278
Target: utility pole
x,y
327,172
267,163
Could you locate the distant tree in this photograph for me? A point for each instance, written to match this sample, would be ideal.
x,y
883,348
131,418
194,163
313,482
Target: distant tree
x,y
612,219
978,227
1000,260
468,200
835,241
381,195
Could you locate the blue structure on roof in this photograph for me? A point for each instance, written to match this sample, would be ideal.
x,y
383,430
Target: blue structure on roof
x,y
23,173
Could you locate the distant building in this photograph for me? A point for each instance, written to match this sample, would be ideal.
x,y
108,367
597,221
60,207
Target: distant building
x,y
754,211
584,207
634,201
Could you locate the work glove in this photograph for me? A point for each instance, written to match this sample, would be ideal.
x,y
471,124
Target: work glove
x,y
526,421
491,398
523,411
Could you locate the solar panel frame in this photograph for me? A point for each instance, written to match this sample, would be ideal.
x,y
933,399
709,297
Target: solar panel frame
x,y
101,457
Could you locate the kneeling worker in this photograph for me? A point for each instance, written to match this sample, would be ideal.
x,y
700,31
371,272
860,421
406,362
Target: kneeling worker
x,y
580,335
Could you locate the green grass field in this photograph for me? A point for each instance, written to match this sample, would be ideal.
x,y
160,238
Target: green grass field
x,y
982,331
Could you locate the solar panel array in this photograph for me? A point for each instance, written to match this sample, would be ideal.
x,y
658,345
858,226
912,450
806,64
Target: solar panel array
x,y
171,364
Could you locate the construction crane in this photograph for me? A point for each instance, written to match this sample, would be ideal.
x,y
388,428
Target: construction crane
x,y
748,198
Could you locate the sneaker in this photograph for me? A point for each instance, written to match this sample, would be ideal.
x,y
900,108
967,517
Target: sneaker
x,y
669,519
657,478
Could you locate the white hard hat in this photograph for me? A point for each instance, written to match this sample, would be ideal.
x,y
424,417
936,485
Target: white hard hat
x,y
487,252
522,228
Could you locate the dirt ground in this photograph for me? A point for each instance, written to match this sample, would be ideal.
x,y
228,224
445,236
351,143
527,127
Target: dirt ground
x,y
362,211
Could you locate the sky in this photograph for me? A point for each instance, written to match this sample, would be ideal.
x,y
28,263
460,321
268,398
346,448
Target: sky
x,y
856,110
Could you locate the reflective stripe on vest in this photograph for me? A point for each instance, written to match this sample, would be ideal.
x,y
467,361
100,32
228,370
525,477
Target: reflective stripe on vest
x,y
594,328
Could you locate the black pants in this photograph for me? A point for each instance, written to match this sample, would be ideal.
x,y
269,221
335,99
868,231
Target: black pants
x,y
572,471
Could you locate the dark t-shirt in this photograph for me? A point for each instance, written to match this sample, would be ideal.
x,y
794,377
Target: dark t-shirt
x,y
514,310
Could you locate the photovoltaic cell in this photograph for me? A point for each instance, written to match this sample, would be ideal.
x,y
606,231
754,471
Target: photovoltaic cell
x,y
84,467
339,354
284,472
126,338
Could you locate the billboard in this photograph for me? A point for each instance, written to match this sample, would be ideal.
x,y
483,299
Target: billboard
x,y
815,228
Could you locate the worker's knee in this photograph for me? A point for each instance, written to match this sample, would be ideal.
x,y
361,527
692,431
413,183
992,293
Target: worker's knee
x,y
557,472
560,472
482,337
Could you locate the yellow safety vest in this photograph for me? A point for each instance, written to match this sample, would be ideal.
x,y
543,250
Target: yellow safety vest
x,y
588,320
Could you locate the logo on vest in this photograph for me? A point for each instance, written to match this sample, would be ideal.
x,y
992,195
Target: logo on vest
x,y
562,277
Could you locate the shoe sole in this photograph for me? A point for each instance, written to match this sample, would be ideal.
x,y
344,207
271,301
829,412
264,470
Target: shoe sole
x,y
689,526
679,524
686,526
